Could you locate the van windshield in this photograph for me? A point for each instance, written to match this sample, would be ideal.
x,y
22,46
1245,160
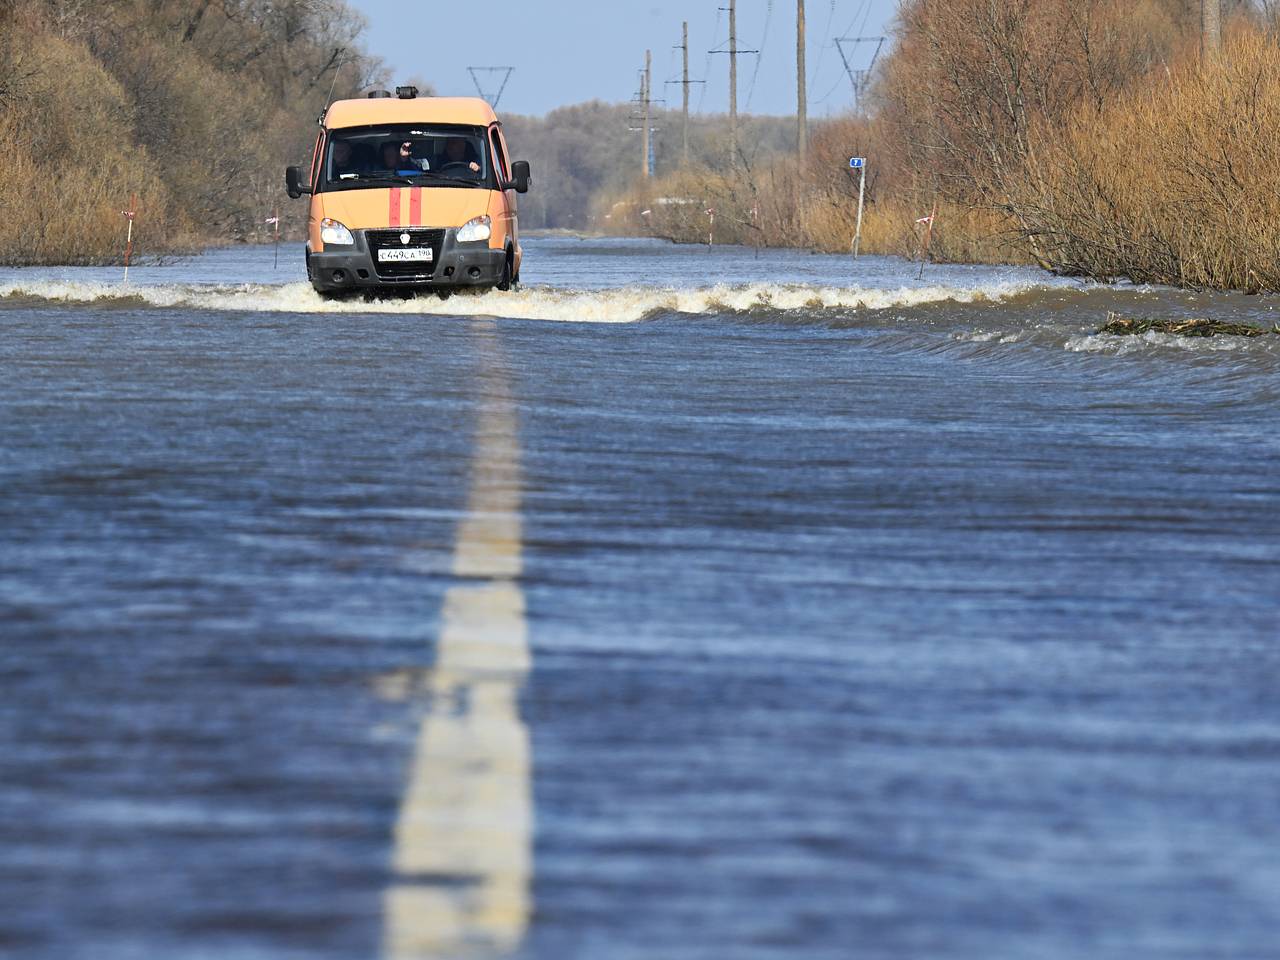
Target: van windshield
x,y
443,156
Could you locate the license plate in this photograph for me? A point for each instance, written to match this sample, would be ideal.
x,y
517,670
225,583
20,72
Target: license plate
x,y
422,254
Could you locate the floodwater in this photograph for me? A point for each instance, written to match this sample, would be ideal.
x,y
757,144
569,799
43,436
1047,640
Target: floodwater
x,y
688,604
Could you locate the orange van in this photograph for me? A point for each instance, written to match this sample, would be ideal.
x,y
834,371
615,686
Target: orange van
x,y
411,192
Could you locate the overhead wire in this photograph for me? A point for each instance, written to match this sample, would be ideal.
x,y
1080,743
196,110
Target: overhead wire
x,y
706,67
840,81
826,33
768,18
864,11
862,29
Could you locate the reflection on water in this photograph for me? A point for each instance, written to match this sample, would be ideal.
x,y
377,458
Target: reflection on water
x,y
463,839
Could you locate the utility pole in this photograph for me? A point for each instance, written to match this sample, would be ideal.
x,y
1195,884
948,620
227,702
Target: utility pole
x,y
683,46
685,87
733,79
644,95
1210,29
802,99
643,115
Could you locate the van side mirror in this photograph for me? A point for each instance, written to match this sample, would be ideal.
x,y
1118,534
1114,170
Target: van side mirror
x,y
293,184
519,177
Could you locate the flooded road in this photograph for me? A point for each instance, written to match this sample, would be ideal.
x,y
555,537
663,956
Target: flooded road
x,y
687,604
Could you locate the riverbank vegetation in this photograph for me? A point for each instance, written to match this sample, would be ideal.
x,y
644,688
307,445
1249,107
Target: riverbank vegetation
x,y
192,106
1093,137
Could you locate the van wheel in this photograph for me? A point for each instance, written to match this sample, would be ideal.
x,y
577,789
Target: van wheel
x,y
506,281
444,294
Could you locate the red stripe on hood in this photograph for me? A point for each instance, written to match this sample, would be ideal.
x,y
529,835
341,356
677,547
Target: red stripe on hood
x,y
393,207
415,207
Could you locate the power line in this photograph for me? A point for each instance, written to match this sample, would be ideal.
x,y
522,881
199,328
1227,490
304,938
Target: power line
x,y
827,96
862,27
764,45
826,38
863,12
706,66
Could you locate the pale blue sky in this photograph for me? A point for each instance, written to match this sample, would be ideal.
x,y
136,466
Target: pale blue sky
x,y
567,51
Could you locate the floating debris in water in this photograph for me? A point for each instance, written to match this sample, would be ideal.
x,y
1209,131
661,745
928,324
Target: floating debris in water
x,y
1136,326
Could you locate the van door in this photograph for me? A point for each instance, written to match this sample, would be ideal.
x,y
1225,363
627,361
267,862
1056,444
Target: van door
x,y
503,167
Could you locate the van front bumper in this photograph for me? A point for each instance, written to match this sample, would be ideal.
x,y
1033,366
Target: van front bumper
x,y
455,264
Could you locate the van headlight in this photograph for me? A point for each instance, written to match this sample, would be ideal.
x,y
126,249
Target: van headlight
x,y
331,231
473,231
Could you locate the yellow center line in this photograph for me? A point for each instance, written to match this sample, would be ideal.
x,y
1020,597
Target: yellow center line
x,y
463,845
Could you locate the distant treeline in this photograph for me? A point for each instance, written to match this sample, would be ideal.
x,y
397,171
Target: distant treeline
x,y
1093,137
192,105
586,153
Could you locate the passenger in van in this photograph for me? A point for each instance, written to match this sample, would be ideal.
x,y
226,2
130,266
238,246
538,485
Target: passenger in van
x,y
458,152
362,157
398,156
390,155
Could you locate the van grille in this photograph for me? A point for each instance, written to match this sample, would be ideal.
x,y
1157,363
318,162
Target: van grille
x,y
412,270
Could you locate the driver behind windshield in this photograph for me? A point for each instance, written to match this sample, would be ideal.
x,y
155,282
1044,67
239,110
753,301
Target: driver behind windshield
x,y
459,154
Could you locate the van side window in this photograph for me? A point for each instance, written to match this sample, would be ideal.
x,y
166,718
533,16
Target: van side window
x,y
499,158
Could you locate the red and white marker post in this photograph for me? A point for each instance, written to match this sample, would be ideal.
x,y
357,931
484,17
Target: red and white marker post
x,y
928,236
276,221
129,215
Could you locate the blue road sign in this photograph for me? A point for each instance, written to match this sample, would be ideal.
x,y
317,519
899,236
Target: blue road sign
x,y
857,163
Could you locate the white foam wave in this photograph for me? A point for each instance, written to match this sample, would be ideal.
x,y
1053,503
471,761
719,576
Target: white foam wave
x,y
988,336
616,305
1124,345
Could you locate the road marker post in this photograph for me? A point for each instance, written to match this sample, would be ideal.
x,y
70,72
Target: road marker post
x,y
859,164
128,245
276,221
928,236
